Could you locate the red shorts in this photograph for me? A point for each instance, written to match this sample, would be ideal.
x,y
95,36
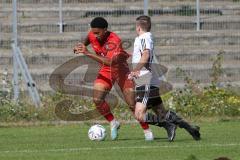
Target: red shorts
x,y
109,78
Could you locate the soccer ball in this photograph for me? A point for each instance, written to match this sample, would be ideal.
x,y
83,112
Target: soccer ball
x,y
97,133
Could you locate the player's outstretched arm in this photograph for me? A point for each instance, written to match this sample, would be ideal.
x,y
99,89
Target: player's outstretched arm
x,y
143,61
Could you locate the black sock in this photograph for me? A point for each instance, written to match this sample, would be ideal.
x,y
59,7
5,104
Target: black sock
x,y
155,120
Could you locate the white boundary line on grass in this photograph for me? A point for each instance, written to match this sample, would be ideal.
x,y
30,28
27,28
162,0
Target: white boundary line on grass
x,y
116,148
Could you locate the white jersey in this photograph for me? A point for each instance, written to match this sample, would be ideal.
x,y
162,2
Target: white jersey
x,y
151,71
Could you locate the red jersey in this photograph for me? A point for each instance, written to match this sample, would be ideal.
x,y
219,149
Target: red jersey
x,y
109,49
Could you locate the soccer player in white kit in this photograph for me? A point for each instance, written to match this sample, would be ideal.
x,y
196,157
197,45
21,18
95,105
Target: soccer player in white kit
x,y
148,76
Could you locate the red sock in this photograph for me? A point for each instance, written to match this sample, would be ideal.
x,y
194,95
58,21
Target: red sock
x,y
144,125
104,110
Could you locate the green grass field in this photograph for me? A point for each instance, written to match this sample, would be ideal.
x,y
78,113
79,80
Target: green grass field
x,y
68,142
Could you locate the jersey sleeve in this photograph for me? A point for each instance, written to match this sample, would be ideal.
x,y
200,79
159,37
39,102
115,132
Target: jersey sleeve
x,y
114,49
146,43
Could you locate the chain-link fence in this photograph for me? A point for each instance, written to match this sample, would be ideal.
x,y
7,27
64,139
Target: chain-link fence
x,y
178,45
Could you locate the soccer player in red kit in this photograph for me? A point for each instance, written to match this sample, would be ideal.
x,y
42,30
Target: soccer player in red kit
x,y
114,68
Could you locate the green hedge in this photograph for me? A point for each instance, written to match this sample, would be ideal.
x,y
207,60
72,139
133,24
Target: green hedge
x,y
190,101
211,102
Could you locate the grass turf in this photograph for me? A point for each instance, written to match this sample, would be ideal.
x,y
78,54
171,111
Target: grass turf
x,y
63,142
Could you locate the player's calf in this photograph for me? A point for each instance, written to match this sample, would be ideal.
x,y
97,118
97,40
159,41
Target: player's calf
x,y
194,131
169,127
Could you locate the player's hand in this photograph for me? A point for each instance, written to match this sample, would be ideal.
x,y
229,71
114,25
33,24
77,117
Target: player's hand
x,y
134,74
130,76
80,48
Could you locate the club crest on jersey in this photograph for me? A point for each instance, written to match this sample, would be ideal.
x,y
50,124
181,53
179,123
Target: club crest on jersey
x,y
109,46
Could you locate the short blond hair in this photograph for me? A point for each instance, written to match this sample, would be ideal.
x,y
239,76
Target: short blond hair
x,y
144,22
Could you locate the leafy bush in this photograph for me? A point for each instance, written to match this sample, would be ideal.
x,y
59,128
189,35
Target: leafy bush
x,y
213,102
193,100
190,101
22,111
